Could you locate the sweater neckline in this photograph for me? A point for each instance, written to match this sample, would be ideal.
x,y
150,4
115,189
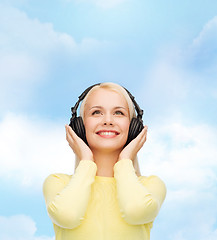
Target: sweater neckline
x,y
104,179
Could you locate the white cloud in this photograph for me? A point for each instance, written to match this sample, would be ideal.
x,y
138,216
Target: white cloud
x,y
208,35
168,86
203,51
19,33
18,74
167,81
174,148
19,227
28,51
31,149
183,78
185,157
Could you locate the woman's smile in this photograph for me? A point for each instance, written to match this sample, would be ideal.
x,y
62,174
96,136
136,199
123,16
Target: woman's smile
x,y
107,133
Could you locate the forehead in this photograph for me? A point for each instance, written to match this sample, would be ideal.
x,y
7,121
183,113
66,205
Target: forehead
x,y
102,96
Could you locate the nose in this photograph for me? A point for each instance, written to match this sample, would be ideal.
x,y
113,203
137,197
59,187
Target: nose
x,y
107,120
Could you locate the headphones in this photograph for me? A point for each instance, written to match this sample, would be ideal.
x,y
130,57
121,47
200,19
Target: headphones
x,y
76,123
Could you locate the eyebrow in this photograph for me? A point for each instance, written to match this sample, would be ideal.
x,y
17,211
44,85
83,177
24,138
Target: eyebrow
x,y
102,107
95,107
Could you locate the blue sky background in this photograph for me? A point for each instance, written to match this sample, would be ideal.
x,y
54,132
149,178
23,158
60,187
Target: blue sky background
x,y
164,52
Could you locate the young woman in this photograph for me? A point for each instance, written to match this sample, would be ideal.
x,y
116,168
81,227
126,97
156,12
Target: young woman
x,y
106,198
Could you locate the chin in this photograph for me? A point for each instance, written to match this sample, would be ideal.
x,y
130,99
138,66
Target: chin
x,y
112,144
107,147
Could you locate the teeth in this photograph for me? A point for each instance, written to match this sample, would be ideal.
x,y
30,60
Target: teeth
x,y
107,133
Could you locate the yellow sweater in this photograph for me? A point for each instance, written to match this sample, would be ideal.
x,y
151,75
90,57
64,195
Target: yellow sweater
x,y
89,207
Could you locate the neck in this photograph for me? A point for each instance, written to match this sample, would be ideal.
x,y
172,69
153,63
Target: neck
x,y
105,163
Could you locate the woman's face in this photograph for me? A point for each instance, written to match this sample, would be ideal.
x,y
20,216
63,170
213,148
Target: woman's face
x,y
106,120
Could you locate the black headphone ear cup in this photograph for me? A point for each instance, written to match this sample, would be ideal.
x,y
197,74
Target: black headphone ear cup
x,y
78,127
136,126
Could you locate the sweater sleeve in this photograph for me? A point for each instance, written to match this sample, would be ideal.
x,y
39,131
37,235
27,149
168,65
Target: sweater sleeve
x,y
67,197
140,198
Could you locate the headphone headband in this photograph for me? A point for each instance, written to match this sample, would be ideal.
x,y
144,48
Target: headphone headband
x,y
80,98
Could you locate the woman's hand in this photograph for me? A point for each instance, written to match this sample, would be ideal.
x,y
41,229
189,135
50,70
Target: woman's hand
x,y
78,146
130,151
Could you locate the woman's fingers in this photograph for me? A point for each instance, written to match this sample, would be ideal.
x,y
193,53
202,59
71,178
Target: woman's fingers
x,y
141,138
68,135
144,135
78,146
69,139
70,132
71,135
135,145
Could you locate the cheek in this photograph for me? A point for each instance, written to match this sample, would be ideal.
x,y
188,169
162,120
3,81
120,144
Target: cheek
x,y
89,125
126,125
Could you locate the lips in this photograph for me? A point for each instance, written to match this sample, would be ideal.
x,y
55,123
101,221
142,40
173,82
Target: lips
x,y
107,133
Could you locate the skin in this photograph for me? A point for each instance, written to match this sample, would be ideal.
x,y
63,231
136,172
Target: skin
x,y
106,120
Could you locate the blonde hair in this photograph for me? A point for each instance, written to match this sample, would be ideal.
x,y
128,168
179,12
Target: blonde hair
x,y
120,90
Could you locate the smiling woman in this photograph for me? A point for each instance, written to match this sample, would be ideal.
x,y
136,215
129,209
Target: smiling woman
x,y
106,197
